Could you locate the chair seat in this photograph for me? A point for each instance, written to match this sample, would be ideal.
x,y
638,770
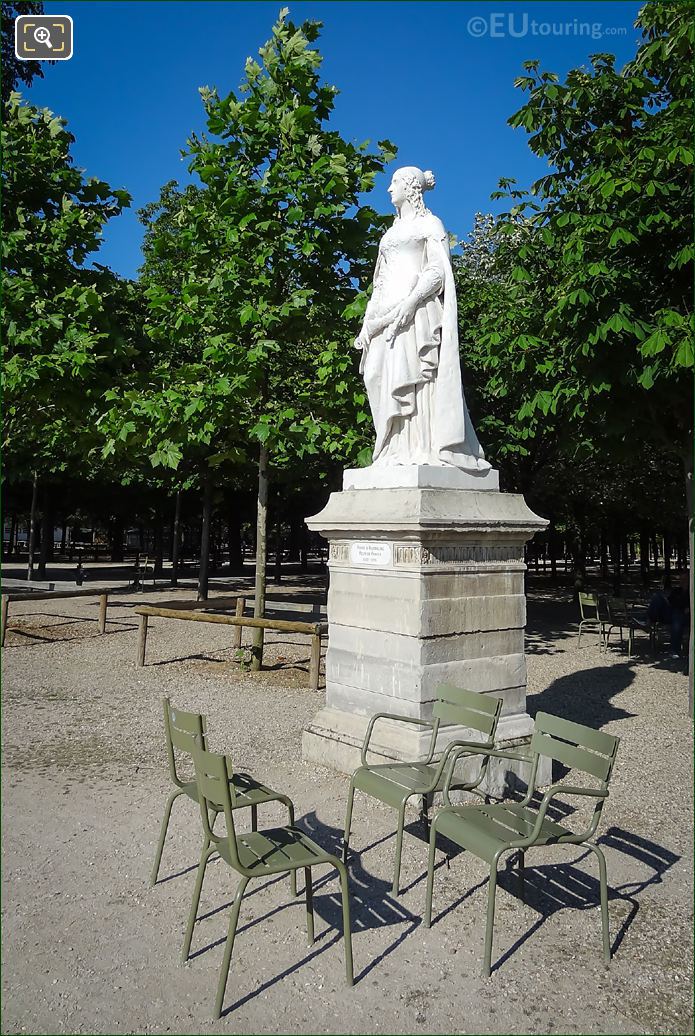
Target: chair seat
x,y
392,783
249,792
278,849
485,829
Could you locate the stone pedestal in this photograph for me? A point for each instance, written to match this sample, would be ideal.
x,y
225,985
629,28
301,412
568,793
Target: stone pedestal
x,y
426,587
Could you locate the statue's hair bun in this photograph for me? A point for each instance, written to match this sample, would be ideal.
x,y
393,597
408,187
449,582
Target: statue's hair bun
x,y
428,180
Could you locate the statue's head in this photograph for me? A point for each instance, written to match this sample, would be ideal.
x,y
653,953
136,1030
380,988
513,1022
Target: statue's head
x,y
408,184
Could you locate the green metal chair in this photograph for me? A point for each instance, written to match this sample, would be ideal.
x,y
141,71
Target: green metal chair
x,y
489,831
395,783
621,617
593,616
256,854
181,730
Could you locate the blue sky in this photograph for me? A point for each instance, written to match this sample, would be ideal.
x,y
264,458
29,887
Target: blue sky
x,y
434,77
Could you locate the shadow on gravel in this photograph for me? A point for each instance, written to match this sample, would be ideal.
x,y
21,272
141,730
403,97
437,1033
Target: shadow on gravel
x,y
585,697
198,657
550,622
37,638
553,887
371,906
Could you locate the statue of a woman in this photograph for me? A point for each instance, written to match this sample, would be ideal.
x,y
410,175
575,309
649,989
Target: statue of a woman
x,y
409,341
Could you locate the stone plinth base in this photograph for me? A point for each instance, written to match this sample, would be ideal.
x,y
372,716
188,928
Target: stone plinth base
x,y
426,588
419,476
334,739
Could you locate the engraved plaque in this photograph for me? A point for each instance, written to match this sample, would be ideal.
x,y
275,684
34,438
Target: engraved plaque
x,y
378,555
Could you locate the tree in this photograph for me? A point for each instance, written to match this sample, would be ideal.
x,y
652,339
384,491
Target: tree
x,y
615,212
62,345
15,71
268,256
597,301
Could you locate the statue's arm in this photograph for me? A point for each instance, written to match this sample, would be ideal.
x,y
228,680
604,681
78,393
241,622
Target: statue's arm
x,y
365,335
429,285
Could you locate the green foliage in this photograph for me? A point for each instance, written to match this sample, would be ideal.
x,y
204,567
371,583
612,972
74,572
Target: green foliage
x,y
591,320
62,348
15,71
249,274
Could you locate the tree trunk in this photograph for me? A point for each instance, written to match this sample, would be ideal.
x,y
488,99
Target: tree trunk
x,y
12,542
667,552
626,556
552,550
158,546
217,544
32,527
615,560
117,539
205,539
303,549
176,540
644,554
277,578
46,545
236,557
295,543
605,571
261,553
578,564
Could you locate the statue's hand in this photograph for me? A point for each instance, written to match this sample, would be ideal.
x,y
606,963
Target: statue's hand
x,y
362,341
402,316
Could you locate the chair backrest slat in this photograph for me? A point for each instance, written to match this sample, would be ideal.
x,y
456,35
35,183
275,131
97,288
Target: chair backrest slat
x,y
617,607
574,758
213,776
184,731
467,709
575,745
588,605
587,737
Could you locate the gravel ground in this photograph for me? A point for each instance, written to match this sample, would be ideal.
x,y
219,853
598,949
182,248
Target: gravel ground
x,y
89,948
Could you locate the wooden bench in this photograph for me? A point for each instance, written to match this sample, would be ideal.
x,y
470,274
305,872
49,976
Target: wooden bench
x,y
57,595
193,612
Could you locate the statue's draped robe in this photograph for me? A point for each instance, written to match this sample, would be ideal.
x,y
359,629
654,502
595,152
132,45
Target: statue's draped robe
x,y
414,380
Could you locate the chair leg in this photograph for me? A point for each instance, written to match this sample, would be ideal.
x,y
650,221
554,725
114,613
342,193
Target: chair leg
x,y
204,857
163,834
254,818
348,821
430,874
347,930
579,638
399,848
522,872
229,946
309,906
603,884
293,874
424,815
492,888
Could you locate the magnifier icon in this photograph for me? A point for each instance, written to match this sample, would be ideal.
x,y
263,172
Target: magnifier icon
x,y
42,35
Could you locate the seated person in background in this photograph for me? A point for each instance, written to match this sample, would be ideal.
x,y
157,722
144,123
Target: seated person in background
x,y
659,608
679,600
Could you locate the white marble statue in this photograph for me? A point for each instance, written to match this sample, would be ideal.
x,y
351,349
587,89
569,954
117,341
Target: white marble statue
x,y
409,341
